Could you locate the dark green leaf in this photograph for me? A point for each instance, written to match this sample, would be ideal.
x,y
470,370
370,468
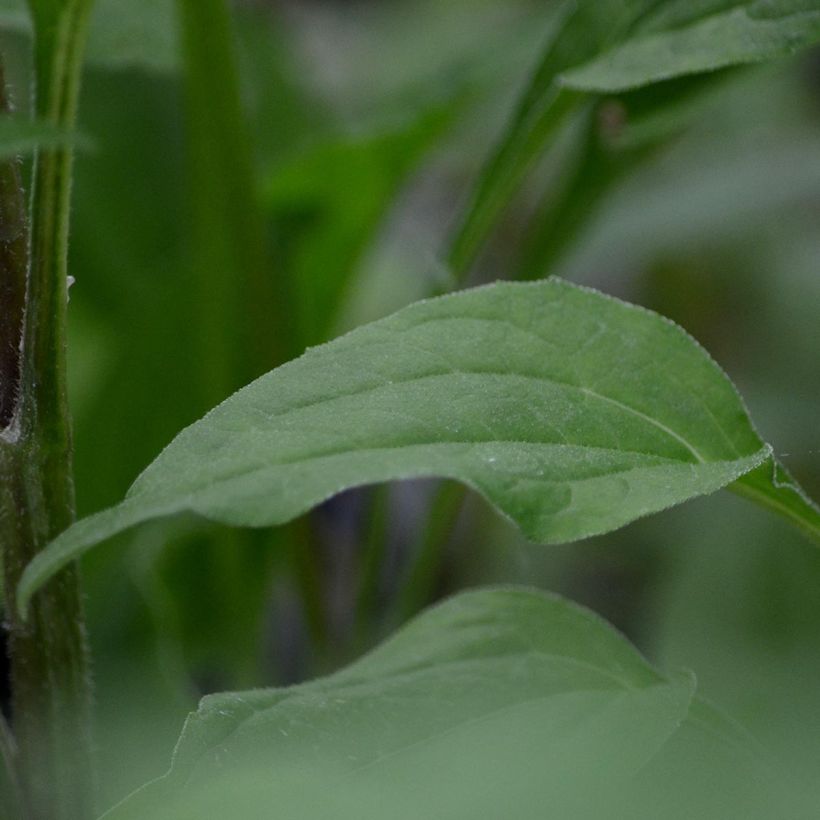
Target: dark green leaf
x,y
572,412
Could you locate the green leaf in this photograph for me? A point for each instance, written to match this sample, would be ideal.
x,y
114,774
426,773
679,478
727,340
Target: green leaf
x,y
754,32
499,702
572,412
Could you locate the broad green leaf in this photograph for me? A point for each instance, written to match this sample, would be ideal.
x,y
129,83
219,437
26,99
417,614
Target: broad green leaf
x,y
493,704
571,412
752,32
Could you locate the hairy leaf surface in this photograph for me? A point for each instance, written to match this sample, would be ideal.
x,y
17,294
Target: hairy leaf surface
x,y
572,412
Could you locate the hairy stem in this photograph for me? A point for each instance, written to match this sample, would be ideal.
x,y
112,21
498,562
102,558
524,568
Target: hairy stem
x,y
49,658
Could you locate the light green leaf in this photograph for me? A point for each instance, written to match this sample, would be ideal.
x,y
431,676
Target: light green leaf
x,y
754,32
572,412
494,704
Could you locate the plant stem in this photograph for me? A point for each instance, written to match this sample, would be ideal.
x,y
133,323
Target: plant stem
x,y
49,657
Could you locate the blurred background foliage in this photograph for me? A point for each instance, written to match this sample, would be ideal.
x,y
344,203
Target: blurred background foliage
x,y
368,123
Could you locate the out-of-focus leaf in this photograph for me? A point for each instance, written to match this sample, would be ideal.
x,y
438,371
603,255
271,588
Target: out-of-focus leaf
x,y
581,31
499,702
616,137
572,412
328,202
752,32
612,47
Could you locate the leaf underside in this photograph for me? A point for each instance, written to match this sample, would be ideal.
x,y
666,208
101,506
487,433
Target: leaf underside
x,y
572,412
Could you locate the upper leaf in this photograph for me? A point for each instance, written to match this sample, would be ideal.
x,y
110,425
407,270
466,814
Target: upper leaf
x,y
494,704
752,32
608,46
572,412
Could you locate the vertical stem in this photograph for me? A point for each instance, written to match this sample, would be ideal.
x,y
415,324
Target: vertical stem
x,y
58,49
49,658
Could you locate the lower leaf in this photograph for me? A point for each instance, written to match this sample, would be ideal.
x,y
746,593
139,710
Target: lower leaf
x,y
500,703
